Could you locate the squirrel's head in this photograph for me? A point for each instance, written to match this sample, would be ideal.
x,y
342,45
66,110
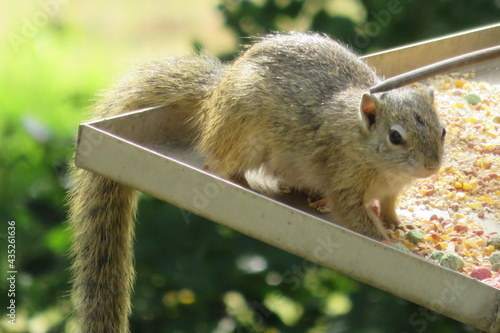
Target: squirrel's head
x,y
404,130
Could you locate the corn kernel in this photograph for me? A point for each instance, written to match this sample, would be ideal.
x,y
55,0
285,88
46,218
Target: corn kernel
x,y
472,120
492,134
476,205
430,239
484,86
486,199
471,244
466,187
489,250
443,245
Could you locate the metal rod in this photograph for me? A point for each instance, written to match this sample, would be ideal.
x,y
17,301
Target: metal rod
x,y
436,68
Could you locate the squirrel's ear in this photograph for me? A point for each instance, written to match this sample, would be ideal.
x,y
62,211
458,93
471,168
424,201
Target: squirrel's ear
x,y
368,111
430,92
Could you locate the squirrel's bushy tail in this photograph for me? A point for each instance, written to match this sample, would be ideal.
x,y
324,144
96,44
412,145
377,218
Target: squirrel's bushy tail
x,y
102,212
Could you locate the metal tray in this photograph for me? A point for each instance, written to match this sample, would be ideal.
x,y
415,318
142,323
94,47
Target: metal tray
x,y
149,151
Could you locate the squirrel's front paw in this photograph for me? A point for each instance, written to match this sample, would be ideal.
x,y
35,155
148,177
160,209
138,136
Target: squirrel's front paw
x,y
320,205
285,189
391,222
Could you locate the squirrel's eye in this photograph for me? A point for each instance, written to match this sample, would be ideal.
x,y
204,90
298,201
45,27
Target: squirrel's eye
x,y
443,134
395,137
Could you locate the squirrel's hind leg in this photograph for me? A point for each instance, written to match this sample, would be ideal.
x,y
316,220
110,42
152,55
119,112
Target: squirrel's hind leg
x,y
232,163
225,171
233,167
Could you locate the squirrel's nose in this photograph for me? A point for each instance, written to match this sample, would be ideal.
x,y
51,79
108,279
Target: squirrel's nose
x,y
432,165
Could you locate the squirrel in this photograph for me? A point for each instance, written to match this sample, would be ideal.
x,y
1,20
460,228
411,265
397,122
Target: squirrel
x,y
295,104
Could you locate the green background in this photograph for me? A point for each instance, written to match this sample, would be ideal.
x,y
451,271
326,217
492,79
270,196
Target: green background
x,y
192,275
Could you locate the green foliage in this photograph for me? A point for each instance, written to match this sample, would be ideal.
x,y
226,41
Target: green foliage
x,y
43,90
192,275
365,25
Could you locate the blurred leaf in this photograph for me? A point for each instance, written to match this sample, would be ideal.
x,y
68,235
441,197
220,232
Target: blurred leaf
x,y
57,240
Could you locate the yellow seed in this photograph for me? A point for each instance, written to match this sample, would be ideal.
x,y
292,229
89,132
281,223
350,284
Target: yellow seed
x,y
489,249
484,162
471,244
476,205
430,227
398,233
492,134
457,105
430,239
443,245
489,200
472,120
408,245
483,86
475,254
466,186
460,83
459,215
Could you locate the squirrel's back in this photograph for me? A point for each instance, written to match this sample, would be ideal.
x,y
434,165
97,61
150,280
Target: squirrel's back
x,y
296,69
308,62
282,82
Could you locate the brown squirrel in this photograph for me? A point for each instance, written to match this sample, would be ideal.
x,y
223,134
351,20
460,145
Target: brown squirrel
x,y
297,105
